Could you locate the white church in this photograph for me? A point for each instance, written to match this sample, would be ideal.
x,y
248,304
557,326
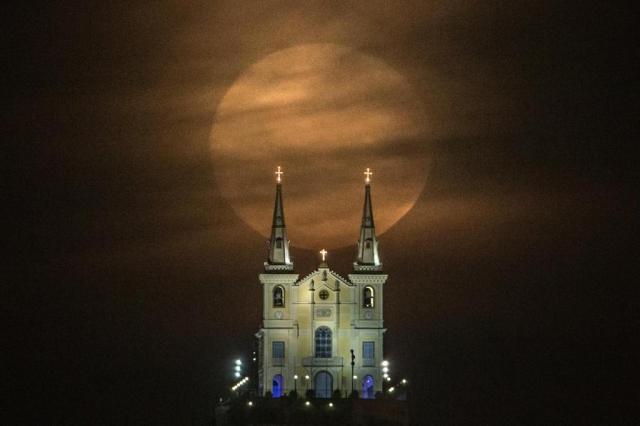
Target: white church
x,y
321,332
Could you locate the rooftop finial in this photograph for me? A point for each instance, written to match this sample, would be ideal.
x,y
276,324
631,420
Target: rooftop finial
x,y
368,174
323,252
279,174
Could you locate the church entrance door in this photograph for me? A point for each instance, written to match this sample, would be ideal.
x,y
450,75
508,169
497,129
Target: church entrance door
x,y
276,387
367,388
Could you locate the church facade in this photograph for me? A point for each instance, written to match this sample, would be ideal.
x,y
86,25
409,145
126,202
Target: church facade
x,y
321,332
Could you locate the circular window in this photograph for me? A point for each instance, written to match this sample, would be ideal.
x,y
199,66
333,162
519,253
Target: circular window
x,y
324,294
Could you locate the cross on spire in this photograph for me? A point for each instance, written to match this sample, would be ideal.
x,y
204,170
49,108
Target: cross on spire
x,y
323,252
368,174
279,174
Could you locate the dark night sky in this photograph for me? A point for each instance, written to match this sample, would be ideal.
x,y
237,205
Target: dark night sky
x,y
131,284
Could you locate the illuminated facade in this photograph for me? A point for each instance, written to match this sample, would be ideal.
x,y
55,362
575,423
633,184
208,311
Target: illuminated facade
x,y
312,324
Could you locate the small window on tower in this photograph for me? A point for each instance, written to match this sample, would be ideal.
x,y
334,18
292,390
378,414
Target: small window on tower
x,y
368,297
368,353
367,243
279,243
277,350
278,297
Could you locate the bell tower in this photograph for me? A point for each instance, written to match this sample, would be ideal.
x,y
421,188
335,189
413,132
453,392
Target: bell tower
x,y
368,258
279,258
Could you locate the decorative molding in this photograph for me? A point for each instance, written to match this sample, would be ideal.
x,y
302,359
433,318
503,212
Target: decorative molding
x,y
360,267
368,324
310,361
368,278
318,272
340,277
278,278
270,324
278,267
324,312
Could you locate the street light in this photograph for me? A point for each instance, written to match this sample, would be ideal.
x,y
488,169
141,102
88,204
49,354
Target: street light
x,y
353,362
240,383
385,372
237,368
295,383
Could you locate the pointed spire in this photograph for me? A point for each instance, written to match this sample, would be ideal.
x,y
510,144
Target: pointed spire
x,y
368,258
278,210
279,258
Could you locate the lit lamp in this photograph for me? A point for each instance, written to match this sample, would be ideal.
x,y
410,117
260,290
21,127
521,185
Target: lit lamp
x,y
238,368
295,383
385,372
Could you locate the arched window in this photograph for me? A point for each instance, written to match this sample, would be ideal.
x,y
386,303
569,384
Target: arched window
x,y
368,297
323,342
278,297
367,387
279,242
277,387
367,243
323,385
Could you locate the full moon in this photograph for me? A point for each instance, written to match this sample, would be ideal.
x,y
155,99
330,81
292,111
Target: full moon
x,y
324,113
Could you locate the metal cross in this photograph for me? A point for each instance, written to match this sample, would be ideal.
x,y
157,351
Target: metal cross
x,y
323,252
368,174
279,173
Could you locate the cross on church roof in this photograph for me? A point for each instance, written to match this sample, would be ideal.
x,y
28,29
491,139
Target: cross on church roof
x,y
323,252
279,173
368,174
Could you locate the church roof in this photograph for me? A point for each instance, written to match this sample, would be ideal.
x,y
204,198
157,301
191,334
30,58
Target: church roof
x,y
317,271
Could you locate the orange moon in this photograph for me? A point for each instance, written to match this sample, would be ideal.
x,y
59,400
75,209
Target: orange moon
x,y
324,113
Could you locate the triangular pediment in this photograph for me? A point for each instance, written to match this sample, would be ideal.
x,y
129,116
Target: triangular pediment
x,y
323,276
